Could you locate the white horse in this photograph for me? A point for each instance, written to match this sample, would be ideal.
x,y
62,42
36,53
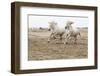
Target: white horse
x,y
56,32
72,32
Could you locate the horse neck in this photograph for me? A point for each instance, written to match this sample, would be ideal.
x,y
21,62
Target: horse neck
x,y
53,27
69,27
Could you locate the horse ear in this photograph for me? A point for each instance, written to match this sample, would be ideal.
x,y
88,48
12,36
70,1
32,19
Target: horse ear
x,y
72,22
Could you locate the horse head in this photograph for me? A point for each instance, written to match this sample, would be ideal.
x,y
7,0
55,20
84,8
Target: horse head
x,y
68,25
52,25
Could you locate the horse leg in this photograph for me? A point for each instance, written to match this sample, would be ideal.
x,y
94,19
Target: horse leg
x,y
50,37
80,35
61,36
54,36
66,39
75,39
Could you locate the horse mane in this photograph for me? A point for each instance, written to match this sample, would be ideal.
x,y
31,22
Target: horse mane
x,y
53,25
69,25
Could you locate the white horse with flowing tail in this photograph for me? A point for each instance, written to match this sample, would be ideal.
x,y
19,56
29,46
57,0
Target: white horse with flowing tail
x,y
71,31
55,31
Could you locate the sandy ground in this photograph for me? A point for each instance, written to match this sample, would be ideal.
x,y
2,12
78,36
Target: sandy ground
x,y
40,49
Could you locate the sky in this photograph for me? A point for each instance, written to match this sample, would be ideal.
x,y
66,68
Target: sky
x,y
42,21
